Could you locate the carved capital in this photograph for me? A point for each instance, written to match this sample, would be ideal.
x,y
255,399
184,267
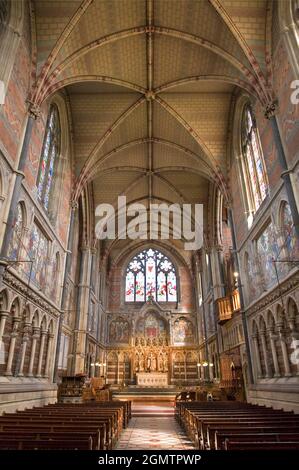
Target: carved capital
x,y
36,331
271,109
33,110
74,205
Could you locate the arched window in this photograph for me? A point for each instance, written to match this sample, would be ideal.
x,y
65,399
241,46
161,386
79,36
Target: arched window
x,y
151,275
50,153
254,166
16,239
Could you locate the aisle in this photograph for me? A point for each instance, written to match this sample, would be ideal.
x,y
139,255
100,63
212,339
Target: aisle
x,y
153,427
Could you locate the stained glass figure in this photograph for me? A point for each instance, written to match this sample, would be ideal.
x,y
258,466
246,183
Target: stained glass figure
x,y
38,254
15,242
254,163
51,149
151,275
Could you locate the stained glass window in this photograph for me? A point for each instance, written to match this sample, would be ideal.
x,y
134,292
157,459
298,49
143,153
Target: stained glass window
x,y
151,275
38,254
254,163
15,242
48,162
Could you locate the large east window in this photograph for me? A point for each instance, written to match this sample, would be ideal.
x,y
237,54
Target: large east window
x,y
151,276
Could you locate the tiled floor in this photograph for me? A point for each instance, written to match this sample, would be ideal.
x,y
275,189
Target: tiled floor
x,y
153,431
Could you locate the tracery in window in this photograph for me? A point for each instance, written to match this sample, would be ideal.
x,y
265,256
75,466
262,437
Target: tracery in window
x,y
50,153
151,275
254,166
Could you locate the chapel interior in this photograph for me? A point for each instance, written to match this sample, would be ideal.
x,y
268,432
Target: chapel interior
x,y
156,103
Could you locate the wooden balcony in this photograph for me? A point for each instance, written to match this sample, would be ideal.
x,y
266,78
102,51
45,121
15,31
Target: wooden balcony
x,y
236,301
227,306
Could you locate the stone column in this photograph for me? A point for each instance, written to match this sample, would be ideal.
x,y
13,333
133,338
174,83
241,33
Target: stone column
x,y
257,356
118,372
242,303
216,270
41,353
202,369
35,337
264,347
294,336
12,345
132,367
274,353
65,289
3,316
92,367
48,356
185,367
24,347
105,366
211,371
81,322
285,356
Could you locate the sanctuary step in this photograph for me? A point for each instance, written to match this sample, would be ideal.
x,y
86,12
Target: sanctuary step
x,y
153,408
134,393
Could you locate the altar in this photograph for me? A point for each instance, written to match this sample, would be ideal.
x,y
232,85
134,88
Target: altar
x,y
152,379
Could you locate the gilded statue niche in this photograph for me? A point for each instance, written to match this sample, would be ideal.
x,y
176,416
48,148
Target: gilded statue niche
x,y
151,344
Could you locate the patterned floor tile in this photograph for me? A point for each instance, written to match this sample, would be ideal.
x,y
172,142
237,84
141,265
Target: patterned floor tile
x,y
153,432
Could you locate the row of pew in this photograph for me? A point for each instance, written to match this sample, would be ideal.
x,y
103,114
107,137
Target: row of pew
x,y
229,425
86,426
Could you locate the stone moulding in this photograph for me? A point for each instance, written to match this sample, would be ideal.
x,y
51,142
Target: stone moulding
x,y
19,287
279,291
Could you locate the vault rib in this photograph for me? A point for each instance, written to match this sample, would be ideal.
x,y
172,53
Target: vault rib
x,y
150,58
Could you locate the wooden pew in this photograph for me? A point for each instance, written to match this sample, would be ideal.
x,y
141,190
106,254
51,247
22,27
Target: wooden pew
x,y
236,445
204,422
73,426
279,436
